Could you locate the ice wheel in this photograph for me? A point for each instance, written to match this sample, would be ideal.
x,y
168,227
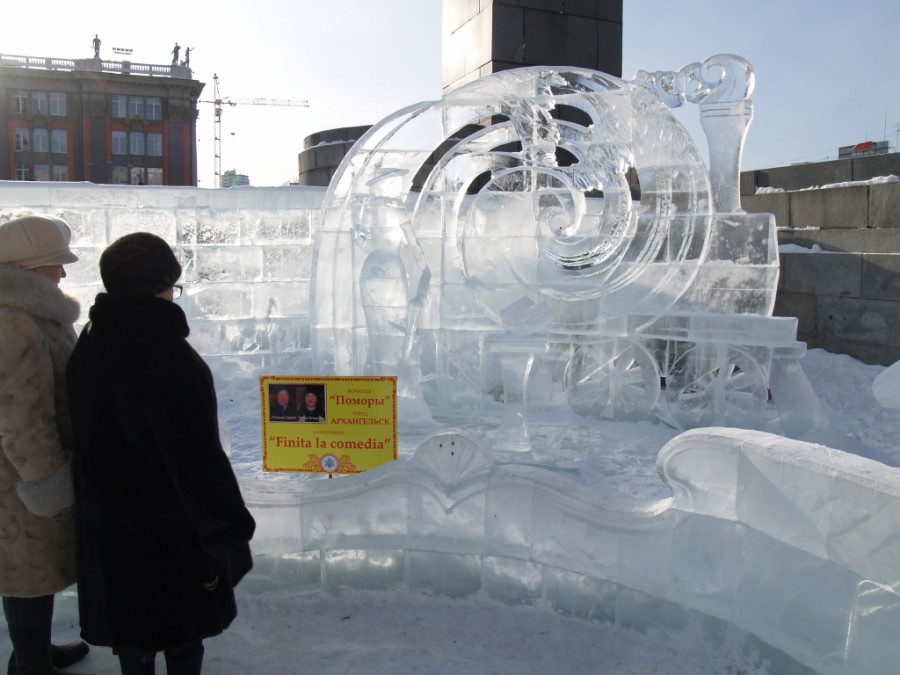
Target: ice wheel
x,y
716,385
612,380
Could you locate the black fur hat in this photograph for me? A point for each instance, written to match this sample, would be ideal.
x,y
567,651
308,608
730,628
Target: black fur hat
x,y
139,264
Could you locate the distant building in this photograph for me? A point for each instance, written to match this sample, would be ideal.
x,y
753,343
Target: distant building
x,y
97,120
863,149
233,179
323,151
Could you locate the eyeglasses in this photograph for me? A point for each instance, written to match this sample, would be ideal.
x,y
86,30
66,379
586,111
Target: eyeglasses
x,y
177,290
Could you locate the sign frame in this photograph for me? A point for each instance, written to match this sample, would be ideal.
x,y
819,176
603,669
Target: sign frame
x,y
350,427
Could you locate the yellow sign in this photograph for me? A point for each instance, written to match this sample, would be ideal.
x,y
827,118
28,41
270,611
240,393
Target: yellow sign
x,y
328,424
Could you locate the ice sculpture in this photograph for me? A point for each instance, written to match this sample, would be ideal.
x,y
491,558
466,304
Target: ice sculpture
x,y
551,238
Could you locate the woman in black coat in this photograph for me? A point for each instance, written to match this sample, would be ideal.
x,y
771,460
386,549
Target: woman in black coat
x,y
162,527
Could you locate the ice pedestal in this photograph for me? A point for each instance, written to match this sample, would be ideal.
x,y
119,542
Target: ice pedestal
x,y
515,358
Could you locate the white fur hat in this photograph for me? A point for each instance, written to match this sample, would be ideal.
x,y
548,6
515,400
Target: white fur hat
x,y
35,241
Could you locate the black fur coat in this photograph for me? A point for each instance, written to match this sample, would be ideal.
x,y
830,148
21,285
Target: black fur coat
x,y
162,529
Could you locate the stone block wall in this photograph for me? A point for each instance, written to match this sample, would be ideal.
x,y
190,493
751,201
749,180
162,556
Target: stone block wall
x,y
817,174
842,279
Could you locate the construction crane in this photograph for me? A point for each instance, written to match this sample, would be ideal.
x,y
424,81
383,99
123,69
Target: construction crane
x,y
218,103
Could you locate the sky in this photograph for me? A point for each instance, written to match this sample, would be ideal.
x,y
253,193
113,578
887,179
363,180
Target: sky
x,y
826,71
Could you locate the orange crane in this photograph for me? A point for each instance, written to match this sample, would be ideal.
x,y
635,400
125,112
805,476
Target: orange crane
x,y
219,103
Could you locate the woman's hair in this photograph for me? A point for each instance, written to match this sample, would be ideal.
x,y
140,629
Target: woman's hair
x,y
139,264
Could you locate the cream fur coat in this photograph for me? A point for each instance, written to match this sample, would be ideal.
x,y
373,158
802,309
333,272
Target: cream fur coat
x,y
37,538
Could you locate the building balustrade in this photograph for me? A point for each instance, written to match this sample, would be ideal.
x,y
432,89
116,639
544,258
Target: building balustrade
x,y
96,65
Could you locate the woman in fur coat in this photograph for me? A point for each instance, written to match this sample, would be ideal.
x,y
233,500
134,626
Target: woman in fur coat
x,y
37,532
162,527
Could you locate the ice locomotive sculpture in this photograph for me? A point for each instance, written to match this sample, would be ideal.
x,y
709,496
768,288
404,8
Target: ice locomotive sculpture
x,y
551,240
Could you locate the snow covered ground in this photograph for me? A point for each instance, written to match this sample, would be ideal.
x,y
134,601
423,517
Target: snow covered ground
x,y
386,633
389,633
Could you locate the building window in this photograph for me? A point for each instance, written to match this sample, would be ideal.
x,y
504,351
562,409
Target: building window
x,y
39,102
57,103
23,172
154,177
40,142
20,101
59,141
41,172
154,108
119,175
60,173
119,143
137,175
136,106
154,145
136,142
20,140
117,105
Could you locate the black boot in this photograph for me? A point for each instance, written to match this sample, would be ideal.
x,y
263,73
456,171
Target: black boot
x,y
136,663
28,620
62,656
65,655
185,660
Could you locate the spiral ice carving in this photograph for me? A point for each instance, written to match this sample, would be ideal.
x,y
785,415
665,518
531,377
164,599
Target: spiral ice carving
x,y
551,230
724,77
568,187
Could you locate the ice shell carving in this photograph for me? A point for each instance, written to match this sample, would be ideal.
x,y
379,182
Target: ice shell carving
x,y
453,458
560,222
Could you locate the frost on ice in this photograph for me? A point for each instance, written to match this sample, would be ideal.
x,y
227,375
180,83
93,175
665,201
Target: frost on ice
x,y
540,252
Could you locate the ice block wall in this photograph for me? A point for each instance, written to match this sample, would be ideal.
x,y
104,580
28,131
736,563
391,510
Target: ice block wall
x,y
246,252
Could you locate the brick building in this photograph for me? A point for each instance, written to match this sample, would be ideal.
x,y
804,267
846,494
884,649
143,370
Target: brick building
x,y
97,120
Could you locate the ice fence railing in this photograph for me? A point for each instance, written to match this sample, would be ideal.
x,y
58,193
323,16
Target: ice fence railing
x,y
784,547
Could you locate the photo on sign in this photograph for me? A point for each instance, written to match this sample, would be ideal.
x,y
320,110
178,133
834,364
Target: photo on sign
x,y
312,403
304,402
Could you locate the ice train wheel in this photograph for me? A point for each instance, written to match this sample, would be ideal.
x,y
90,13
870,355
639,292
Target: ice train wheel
x,y
716,385
612,380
